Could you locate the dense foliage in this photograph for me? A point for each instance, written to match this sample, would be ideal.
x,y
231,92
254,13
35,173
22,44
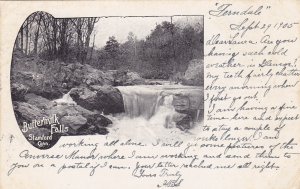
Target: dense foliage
x,y
66,39
165,52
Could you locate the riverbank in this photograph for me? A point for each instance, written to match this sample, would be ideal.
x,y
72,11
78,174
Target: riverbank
x,y
91,101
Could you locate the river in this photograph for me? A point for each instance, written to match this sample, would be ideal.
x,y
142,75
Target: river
x,y
150,112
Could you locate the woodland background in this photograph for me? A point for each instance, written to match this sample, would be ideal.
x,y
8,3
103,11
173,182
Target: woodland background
x,y
165,52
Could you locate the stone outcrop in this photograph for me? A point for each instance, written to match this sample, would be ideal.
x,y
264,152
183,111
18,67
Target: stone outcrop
x,y
18,91
194,75
73,122
27,112
32,82
77,119
51,79
78,74
39,85
38,101
127,78
191,104
105,99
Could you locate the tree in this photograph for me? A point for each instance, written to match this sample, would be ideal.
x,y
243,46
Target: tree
x,y
92,50
112,50
37,33
132,44
167,49
79,24
90,27
63,25
112,47
51,38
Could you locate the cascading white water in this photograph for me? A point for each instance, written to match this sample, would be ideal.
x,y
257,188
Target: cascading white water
x,y
149,113
140,101
65,100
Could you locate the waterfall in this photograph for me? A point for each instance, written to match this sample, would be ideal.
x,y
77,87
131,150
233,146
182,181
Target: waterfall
x,y
140,101
145,101
150,113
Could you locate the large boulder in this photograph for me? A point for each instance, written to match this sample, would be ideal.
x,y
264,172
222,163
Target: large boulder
x,y
99,120
85,97
75,117
181,102
134,78
80,120
186,109
34,83
27,112
194,73
190,102
186,100
109,99
127,78
185,122
51,79
105,99
77,74
63,110
73,122
18,91
97,77
38,101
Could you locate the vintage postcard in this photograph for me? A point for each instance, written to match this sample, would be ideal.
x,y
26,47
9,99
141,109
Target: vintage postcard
x,y
149,94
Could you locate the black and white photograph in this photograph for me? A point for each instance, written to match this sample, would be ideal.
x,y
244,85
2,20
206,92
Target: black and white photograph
x,y
125,77
150,94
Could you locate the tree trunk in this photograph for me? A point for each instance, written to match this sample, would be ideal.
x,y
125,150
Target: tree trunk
x,y
90,27
92,47
173,47
26,39
54,25
17,44
36,36
29,50
63,39
21,31
79,39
